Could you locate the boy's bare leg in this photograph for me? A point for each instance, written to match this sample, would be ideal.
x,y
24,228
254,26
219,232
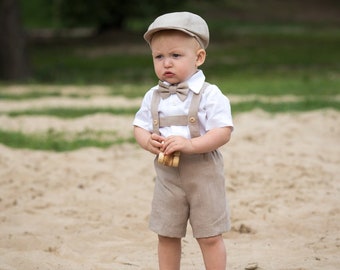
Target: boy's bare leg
x,y
214,252
169,253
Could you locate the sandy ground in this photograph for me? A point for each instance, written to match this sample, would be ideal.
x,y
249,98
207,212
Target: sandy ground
x,y
89,209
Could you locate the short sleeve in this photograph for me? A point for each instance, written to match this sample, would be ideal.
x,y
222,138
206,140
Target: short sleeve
x,y
216,107
143,117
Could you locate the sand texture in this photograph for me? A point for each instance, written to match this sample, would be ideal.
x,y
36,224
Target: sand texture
x,y
89,208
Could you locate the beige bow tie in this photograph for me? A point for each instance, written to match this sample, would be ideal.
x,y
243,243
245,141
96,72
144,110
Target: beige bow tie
x,y
180,89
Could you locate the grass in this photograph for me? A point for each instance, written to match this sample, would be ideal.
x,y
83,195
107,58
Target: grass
x,y
28,95
283,107
60,141
251,58
69,113
73,112
299,84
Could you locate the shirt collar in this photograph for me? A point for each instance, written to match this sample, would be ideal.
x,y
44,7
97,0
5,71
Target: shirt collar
x,y
196,81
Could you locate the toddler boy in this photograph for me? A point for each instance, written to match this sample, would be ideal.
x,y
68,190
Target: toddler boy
x,y
185,114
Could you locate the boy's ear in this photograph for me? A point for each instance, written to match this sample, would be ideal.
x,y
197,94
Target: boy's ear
x,y
201,54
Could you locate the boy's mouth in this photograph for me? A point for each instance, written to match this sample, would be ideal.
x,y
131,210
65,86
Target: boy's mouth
x,y
168,74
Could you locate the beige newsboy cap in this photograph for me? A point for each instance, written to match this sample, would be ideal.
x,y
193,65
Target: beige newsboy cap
x,y
186,22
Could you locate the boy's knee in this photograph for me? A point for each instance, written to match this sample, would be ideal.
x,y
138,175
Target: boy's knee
x,y
210,241
168,239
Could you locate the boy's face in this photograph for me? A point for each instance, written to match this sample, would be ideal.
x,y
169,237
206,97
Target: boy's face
x,y
176,56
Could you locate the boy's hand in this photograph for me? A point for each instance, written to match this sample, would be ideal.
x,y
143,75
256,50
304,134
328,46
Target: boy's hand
x,y
210,141
176,143
155,143
150,142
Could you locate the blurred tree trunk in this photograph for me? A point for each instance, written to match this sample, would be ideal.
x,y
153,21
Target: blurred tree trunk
x,y
13,54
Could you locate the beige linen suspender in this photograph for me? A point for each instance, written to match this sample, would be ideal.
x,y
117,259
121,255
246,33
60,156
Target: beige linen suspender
x,y
190,120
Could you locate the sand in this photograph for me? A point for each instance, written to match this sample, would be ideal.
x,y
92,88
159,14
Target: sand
x,y
89,208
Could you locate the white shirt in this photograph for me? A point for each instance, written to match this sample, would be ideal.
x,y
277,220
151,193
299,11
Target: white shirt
x,y
214,109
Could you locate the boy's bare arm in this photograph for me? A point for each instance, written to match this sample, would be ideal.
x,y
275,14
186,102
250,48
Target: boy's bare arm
x,y
212,140
149,141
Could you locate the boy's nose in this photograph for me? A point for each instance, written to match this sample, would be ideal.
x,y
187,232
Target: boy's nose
x,y
167,62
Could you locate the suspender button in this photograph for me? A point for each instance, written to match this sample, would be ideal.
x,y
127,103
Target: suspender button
x,y
192,119
155,122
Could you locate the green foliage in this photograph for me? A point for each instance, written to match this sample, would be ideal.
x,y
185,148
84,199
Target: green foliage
x,y
274,60
72,64
40,13
101,14
270,53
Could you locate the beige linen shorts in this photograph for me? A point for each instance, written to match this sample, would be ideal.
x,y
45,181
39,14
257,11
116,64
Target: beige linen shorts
x,y
193,191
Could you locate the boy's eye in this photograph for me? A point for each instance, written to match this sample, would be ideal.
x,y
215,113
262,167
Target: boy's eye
x,y
176,55
158,56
